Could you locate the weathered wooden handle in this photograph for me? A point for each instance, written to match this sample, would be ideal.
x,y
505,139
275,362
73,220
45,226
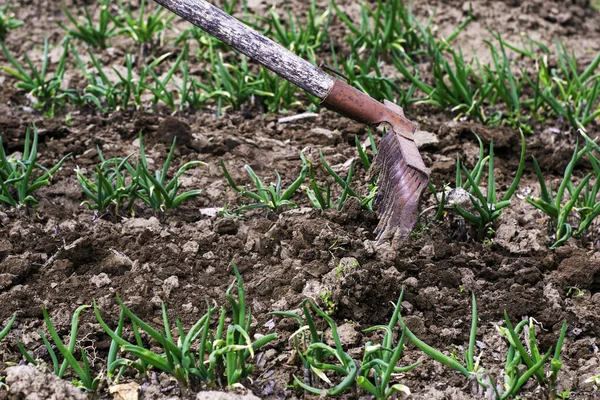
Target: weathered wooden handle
x,y
251,43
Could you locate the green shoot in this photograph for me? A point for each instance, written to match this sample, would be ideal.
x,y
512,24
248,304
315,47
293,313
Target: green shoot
x,y
533,360
43,90
556,207
83,372
17,178
154,189
142,30
178,358
317,355
8,326
485,209
85,29
271,197
8,22
111,186
380,361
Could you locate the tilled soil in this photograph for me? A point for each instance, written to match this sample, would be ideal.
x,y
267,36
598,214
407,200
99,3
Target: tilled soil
x,y
63,255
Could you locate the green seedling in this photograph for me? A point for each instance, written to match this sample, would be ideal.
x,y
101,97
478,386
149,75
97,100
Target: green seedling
x,y
218,352
365,202
115,367
533,360
8,22
319,196
470,368
8,327
95,35
378,365
304,38
362,151
559,209
112,186
193,93
514,378
390,25
160,90
153,188
232,353
107,95
380,361
84,372
504,85
566,92
317,355
484,210
143,30
18,178
271,197
456,86
43,89
177,358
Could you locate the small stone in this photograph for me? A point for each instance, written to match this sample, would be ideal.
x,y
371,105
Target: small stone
x,y
348,334
5,246
411,282
190,248
427,251
226,226
6,280
100,280
156,301
169,284
116,262
138,225
408,307
425,138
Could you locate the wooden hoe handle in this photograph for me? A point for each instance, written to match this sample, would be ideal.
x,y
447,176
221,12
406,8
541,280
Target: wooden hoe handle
x,y
253,44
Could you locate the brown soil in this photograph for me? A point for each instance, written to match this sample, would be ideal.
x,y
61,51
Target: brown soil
x,y
64,255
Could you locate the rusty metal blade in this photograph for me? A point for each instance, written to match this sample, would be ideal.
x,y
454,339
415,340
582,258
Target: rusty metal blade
x,y
400,187
401,170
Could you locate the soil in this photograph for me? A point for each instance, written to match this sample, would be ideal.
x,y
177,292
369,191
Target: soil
x,y
63,255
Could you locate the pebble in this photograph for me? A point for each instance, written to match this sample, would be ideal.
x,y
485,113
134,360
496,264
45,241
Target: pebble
x,y
411,282
100,280
169,284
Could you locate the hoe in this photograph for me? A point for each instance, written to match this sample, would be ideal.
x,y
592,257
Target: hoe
x,y
402,173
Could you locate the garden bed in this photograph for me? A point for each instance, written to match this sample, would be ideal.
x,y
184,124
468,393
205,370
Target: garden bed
x,y
62,255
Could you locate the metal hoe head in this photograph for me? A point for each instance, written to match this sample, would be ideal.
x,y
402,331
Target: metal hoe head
x,y
402,175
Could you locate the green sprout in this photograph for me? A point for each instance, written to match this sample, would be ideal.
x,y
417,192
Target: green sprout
x,y
96,35
514,377
17,178
467,198
43,90
84,372
317,356
8,22
8,327
271,197
582,197
380,360
219,352
568,93
142,30
533,360
154,189
111,185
